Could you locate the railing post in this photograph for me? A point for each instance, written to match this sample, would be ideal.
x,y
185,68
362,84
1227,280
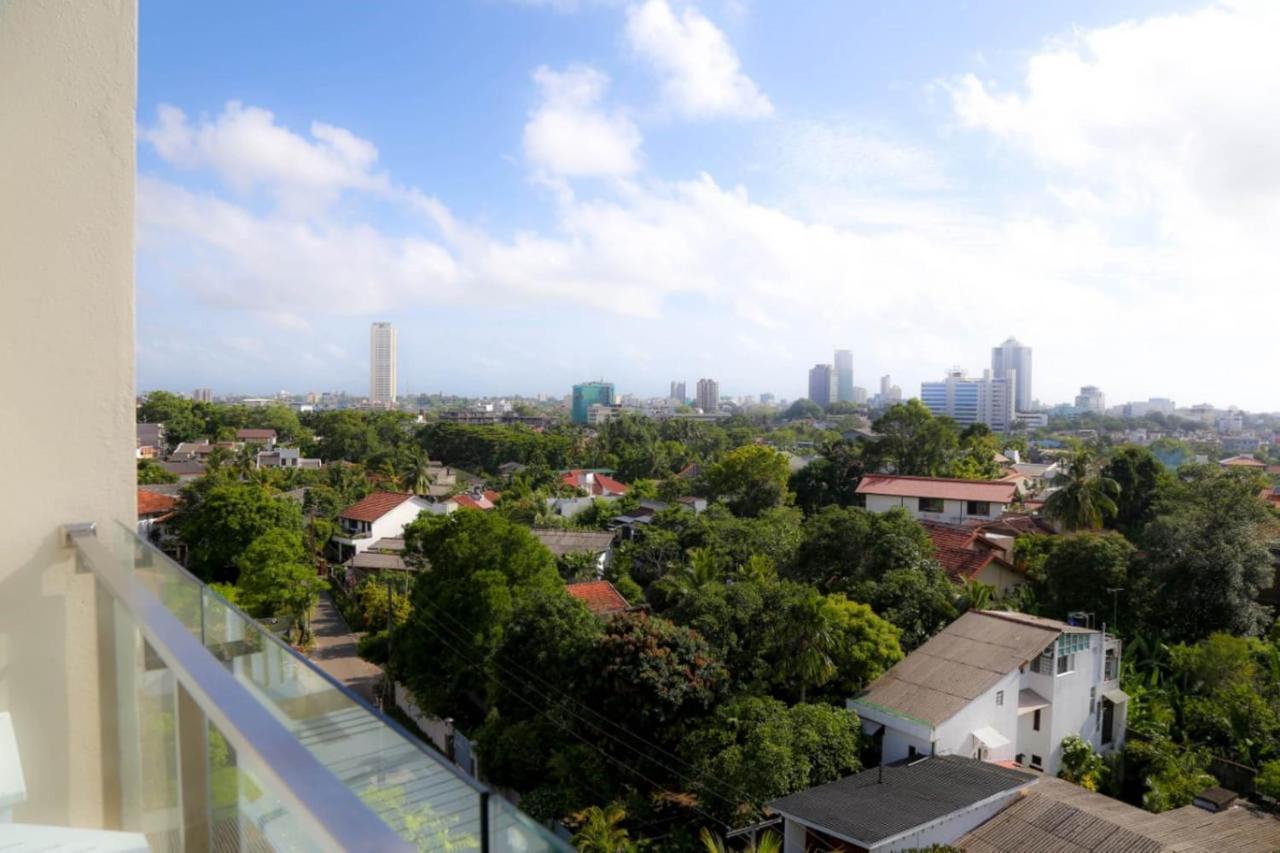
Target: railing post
x,y
484,821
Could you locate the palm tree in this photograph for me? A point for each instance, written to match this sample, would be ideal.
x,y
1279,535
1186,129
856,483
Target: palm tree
x,y
809,640
601,832
415,473
769,842
976,595
1084,498
702,569
758,568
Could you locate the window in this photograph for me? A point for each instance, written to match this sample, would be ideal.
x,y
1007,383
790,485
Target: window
x,y
1036,762
932,505
1066,663
999,698
1093,698
912,752
1035,727
978,508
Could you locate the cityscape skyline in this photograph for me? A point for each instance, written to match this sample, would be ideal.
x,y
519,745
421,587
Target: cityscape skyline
x,y
1006,177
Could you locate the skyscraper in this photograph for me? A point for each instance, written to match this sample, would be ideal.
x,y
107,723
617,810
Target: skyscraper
x,y
822,384
382,366
708,395
202,395
588,394
1007,358
972,401
844,376
677,391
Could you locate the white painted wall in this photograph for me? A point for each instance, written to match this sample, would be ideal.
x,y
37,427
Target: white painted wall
x,y
955,736
392,525
67,118
954,512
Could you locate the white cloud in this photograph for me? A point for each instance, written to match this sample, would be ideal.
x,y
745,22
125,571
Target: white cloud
x,y
248,150
568,134
700,72
1172,117
841,152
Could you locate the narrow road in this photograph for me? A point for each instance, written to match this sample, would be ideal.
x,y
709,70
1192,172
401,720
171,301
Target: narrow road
x,y
335,650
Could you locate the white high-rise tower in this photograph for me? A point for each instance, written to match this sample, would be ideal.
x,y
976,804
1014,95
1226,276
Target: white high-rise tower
x,y
382,366
1013,360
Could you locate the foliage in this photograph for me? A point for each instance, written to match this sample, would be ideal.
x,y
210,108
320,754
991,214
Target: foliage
x,y
911,441
1083,499
375,598
220,523
1074,572
177,413
1080,764
803,409
756,749
750,480
1139,477
1169,775
601,831
150,473
768,842
1267,781
831,478
275,577
484,448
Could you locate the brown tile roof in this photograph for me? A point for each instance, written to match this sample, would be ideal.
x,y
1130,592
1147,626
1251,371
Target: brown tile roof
x,y
251,434
959,664
600,597
1242,462
371,561
375,506
561,542
153,503
601,484
995,491
1057,815
961,551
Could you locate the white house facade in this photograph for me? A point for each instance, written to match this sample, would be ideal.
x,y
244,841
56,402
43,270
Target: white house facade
x,y
382,515
937,499
999,686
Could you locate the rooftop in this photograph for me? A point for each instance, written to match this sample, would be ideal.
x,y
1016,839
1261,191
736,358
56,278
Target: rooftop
x,y
960,663
375,506
155,503
869,810
993,491
561,542
962,552
374,562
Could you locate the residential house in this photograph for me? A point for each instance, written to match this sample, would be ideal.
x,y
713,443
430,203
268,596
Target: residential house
x,y
999,686
1243,462
380,515
185,471
369,563
483,499
262,437
937,499
598,543
1032,477
600,597
907,806
286,457
597,484
151,442
968,554
154,509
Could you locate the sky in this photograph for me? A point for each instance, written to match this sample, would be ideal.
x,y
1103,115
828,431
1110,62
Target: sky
x,y
542,192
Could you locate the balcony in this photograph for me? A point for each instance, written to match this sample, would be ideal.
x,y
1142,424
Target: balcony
x,y
207,732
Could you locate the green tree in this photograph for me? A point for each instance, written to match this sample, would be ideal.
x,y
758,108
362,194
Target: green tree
x,y
832,478
910,440
150,472
1267,782
416,472
175,412
218,525
803,409
755,749
808,642
1083,499
750,479
1079,569
1139,476
275,578
481,566
920,601
601,831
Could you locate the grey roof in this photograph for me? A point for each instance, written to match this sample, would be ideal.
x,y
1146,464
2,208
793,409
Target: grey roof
x,y
372,561
561,542
388,543
867,810
959,664
183,468
150,434
170,489
1058,816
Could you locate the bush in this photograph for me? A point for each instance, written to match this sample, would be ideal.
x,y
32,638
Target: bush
x,y
1268,782
1080,764
374,647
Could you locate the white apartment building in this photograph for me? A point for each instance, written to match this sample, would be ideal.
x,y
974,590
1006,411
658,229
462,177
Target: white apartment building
x,y
1000,686
1012,360
382,515
708,395
1091,400
989,400
938,499
382,365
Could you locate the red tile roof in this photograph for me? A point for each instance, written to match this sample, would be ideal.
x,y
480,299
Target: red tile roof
x,y
600,484
153,503
469,501
1271,496
994,491
961,551
255,433
600,597
375,506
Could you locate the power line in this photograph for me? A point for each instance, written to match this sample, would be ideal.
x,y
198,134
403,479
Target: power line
x,y
691,775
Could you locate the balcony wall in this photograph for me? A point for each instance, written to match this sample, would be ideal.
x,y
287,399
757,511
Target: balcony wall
x,y
67,117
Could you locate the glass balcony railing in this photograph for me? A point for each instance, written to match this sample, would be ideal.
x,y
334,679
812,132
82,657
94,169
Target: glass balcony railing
x,y
215,735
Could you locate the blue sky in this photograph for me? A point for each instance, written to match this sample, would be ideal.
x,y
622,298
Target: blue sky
x,y
537,193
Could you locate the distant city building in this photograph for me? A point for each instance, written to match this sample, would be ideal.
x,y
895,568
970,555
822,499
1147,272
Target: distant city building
x,y
588,394
1012,360
382,365
1091,400
708,395
767,399
844,376
822,384
889,395
972,401
1154,406
859,395
202,395
678,392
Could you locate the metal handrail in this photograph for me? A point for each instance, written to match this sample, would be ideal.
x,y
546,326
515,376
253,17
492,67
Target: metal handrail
x,y
330,811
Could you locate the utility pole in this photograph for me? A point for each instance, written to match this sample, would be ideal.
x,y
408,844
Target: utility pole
x,y
1115,604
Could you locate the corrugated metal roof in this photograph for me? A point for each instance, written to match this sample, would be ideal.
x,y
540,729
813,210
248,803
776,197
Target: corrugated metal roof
x,y
561,542
868,810
958,665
